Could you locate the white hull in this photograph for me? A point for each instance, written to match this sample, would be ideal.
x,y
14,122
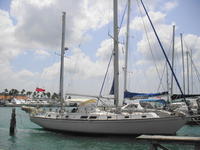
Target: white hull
x,y
168,125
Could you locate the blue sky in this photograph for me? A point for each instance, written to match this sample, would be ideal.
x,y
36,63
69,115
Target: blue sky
x,y
5,4
32,30
185,16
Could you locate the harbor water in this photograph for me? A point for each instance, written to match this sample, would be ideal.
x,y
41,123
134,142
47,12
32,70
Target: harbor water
x,y
29,136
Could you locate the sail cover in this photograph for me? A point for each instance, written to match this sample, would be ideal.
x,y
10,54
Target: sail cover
x,y
128,94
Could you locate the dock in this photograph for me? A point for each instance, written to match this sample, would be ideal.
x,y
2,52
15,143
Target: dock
x,y
156,141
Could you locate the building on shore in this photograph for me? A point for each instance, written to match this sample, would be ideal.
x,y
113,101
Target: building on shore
x,y
6,97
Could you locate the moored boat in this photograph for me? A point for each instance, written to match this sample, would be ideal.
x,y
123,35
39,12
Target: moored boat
x,y
87,118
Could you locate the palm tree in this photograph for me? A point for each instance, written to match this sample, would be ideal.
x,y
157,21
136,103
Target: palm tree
x,y
13,92
44,94
48,94
55,96
34,94
23,91
5,91
28,93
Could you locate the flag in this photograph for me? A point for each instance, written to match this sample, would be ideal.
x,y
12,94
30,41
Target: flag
x,y
39,90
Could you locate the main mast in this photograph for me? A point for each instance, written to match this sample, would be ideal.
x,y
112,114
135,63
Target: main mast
x,y
61,89
116,57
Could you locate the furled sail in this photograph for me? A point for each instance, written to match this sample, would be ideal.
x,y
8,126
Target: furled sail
x,y
128,94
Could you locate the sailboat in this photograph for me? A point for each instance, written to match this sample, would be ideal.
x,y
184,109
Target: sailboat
x,y
88,118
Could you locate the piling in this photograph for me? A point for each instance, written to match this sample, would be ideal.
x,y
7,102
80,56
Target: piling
x,y
13,123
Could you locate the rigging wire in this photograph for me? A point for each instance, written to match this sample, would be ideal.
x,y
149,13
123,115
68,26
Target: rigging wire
x,y
123,17
162,76
195,68
169,64
164,69
197,72
150,47
104,79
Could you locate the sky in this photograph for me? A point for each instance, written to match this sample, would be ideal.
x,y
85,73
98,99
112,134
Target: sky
x,y
31,40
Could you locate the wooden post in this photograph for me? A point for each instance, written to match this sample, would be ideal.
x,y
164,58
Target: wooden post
x,y
13,123
197,146
153,147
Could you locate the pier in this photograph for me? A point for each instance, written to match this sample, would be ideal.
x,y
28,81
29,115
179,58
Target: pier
x,y
156,141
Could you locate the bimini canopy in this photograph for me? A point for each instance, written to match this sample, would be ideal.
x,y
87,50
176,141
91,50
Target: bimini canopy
x,y
128,94
162,101
88,102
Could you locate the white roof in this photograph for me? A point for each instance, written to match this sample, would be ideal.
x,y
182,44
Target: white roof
x,y
77,99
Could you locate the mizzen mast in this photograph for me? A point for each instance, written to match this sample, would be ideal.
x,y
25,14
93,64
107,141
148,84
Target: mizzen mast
x,y
127,46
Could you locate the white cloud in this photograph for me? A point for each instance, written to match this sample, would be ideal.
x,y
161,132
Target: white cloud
x,y
156,17
39,24
24,74
170,5
79,65
149,41
42,53
105,50
9,48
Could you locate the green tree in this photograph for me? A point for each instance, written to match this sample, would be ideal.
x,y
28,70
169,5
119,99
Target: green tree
x,y
23,91
28,93
48,94
43,94
55,96
6,91
13,92
34,94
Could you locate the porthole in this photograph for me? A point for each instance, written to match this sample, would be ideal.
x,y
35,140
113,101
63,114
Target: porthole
x,y
93,117
84,117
